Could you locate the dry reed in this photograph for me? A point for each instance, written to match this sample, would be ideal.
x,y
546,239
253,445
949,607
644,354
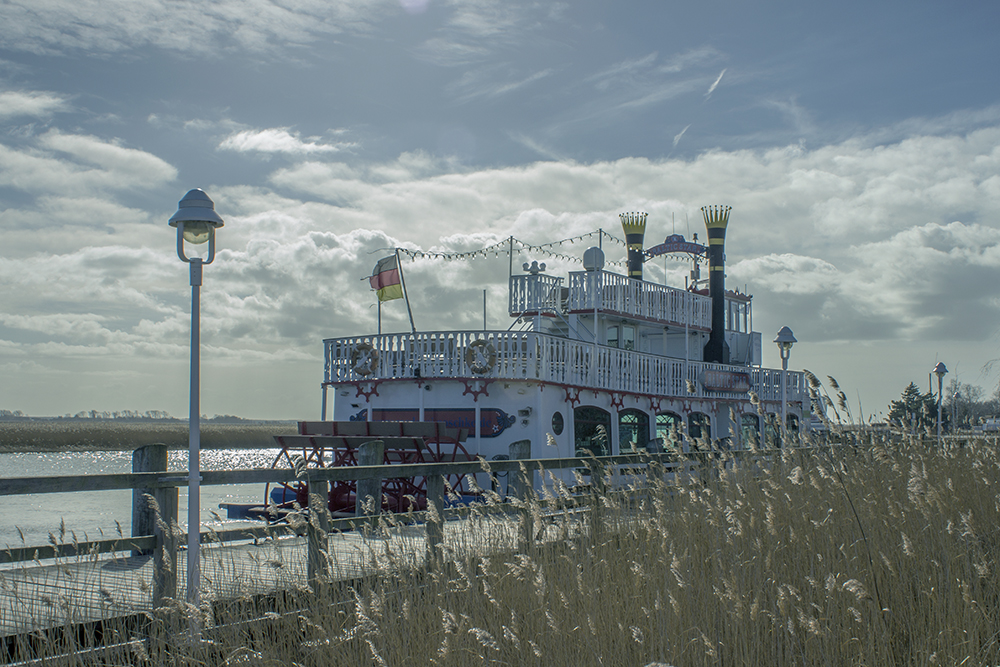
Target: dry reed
x,y
882,554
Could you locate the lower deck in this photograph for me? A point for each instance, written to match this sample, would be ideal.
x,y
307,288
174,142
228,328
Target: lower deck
x,y
565,421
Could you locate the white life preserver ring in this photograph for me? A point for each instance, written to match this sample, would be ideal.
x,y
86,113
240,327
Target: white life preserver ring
x,y
364,359
481,357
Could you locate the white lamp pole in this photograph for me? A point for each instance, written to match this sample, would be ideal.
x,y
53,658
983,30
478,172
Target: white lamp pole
x,y
785,339
196,222
940,370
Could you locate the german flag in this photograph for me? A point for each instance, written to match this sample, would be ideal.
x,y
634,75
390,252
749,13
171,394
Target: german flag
x,y
385,279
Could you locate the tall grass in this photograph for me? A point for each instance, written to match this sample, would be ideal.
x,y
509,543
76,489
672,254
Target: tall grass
x,y
885,554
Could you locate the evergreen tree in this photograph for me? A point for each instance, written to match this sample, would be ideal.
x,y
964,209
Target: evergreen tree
x,y
916,411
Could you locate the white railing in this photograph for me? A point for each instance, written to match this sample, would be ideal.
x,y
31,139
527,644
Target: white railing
x,y
621,295
534,294
528,355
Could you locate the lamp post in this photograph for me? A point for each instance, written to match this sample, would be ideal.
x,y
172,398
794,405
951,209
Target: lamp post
x,y
940,370
785,339
196,222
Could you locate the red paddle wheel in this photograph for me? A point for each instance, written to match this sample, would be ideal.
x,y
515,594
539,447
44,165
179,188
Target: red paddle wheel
x,y
330,444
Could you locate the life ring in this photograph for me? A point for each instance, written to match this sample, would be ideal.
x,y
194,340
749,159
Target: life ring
x,y
364,359
481,357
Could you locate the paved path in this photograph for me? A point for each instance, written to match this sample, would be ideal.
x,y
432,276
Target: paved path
x,y
78,590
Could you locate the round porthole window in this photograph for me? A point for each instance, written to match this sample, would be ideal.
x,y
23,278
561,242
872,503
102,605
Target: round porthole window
x,y
557,423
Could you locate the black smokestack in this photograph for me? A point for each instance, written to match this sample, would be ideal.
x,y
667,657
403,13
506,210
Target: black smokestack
x,y
716,220
634,226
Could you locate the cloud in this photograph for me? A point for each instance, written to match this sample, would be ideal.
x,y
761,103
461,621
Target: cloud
x,y
186,26
715,84
278,140
76,165
449,53
14,103
797,115
850,241
846,242
484,19
491,83
633,85
479,31
702,55
603,79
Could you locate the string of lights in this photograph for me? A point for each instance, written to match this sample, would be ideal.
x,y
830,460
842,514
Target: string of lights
x,y
510,244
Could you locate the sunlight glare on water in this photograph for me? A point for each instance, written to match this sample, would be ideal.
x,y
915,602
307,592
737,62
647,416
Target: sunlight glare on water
x,y
93,515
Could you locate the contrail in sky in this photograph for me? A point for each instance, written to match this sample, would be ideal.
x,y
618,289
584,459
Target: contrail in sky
x,y
716,84
680,134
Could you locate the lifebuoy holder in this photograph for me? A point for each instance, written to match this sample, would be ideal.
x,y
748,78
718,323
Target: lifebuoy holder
x,y
364,359
481,356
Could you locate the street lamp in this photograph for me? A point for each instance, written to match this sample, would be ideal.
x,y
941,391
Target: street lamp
x,y
196,222
785,339
940,371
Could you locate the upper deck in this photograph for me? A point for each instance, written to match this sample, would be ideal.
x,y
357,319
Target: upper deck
x,y
609,294
534,356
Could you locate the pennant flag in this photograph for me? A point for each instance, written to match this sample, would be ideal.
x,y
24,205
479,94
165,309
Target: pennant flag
x,y
385,279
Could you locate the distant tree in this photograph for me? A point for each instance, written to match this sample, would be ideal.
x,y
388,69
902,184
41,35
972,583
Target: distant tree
x,y
226,419
968,404
915,411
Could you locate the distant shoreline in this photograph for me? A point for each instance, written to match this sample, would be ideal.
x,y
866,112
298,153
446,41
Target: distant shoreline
x,y
67,435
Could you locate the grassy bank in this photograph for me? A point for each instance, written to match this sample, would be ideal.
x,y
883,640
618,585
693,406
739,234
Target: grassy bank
x,y
101,435
881,555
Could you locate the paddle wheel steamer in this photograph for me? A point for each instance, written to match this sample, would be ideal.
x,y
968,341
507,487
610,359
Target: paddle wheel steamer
x,y
602,363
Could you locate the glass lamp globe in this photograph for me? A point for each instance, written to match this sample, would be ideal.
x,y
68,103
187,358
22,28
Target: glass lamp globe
x,y
197,232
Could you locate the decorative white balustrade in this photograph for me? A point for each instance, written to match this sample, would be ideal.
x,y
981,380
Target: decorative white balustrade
x,y
625,296
528,355
613,293
531,294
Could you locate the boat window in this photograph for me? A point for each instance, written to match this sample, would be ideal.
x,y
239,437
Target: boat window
x,y
628,337
793,423
699,426
621,336
557,423
668,427
633,430
771,422
592,427
749,430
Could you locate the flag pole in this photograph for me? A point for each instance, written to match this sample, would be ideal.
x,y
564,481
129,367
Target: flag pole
x,y
406,297
379,315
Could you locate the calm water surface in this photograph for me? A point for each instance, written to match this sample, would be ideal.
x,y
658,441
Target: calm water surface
x,y
95,513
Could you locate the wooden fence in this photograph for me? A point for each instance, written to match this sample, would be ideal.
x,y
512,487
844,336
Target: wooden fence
x,y
158,533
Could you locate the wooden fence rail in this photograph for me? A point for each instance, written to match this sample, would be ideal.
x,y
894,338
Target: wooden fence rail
x,y
163,539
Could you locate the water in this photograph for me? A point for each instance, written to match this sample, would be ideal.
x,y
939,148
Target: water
x,y
93,515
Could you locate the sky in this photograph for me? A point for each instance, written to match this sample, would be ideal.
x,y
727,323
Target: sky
x,y
858,144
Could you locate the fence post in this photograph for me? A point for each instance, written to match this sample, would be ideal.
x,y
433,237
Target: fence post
x,y
435,518
369,454
521,485
318,532
167,532
149,458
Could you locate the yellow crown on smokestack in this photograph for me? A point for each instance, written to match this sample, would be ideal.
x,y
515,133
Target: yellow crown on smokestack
x,y
716,217
633,223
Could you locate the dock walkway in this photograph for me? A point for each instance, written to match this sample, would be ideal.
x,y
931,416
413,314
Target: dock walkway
x,y
91,588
